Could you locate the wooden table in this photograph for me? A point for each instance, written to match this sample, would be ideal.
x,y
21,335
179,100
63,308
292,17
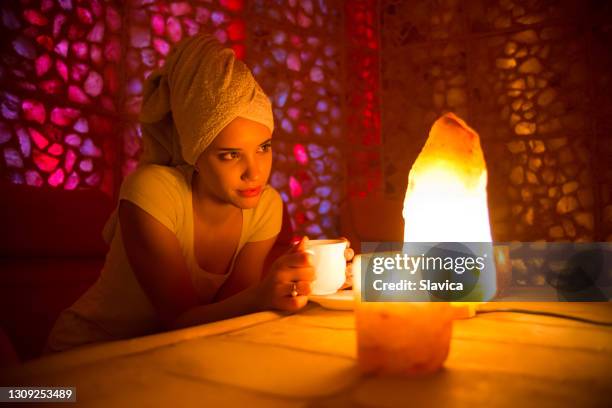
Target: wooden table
x,y
309,359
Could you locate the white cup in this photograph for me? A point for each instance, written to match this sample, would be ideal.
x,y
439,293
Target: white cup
x,y
329,265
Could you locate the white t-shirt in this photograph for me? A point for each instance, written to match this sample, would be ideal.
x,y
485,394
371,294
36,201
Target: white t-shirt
x,y
116,307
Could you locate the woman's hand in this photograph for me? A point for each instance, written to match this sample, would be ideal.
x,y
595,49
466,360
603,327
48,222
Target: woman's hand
x,y
348,255
287,285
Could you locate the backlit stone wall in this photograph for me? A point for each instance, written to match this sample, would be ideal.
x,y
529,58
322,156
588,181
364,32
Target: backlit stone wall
x,y
533,79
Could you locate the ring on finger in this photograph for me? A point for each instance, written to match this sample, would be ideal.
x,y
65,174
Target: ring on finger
x,y
294,291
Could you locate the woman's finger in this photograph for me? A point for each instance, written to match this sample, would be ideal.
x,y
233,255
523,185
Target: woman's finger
x,y
299,246
348,243
304,288
347,284
297,259
349,254
297,288
348,272
292,304
306,273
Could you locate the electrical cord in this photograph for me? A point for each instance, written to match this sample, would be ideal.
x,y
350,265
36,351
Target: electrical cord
x,y
542,313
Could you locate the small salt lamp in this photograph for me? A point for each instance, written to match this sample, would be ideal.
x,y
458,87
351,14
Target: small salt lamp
x,y
446,201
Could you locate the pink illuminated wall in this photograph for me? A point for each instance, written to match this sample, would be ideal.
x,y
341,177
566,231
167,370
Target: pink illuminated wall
x,y
60,81
72,72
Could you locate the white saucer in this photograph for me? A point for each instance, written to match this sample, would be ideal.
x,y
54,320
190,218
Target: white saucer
x,y
341,300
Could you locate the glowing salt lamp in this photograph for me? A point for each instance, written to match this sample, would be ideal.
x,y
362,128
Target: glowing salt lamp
x,y
446,196
446,201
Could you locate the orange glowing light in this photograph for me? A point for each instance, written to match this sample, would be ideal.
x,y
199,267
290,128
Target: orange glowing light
x,y
446,197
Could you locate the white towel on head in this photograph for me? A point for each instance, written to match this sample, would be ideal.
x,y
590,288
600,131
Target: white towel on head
x,y
200,89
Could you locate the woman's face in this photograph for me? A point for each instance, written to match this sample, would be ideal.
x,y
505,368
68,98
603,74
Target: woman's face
x,y
236,166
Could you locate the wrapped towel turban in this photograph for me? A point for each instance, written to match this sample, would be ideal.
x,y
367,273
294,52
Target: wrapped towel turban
x,y
200,89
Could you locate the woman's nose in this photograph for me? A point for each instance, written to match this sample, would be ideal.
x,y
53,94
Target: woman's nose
x,y
252,172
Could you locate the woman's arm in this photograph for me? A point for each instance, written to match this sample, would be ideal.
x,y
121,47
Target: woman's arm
x,y
155,256
157,261
248,268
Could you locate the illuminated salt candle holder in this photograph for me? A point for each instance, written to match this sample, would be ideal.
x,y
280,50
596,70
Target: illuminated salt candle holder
x,y
445,202
402,338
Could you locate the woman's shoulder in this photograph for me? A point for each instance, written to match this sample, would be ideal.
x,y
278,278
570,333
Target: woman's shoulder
x,y
166,186
158,171
158,176
159,191
270,206
270,198
267,216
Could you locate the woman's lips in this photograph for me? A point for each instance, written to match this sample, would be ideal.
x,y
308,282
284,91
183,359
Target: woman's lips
x,y
253,192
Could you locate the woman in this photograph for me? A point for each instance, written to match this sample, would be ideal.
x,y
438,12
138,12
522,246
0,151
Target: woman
x,y
196,220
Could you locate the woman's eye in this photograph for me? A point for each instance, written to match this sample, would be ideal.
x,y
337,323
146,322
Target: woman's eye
x,y
230,155
265,147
